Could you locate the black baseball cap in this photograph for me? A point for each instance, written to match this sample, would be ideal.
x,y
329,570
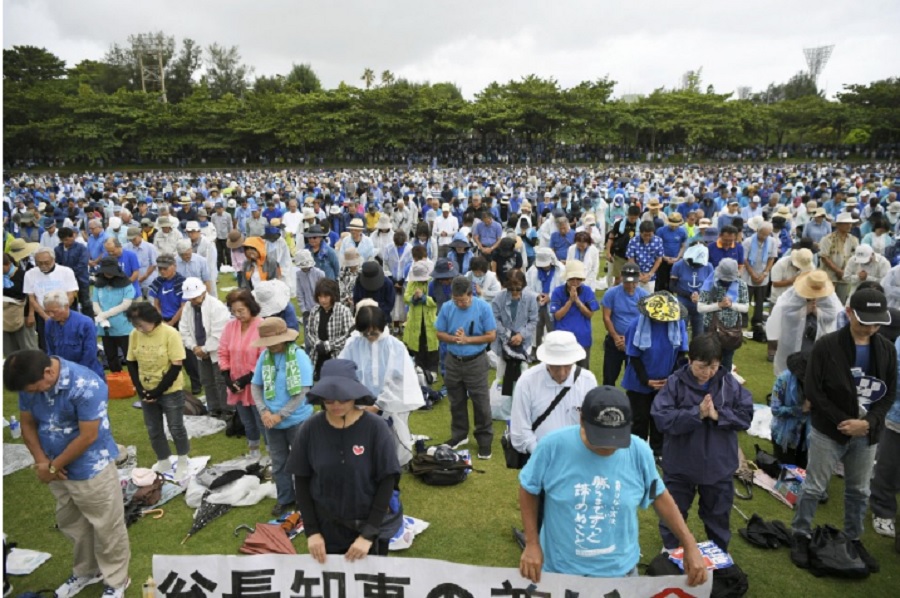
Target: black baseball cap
x,y
870,307
606,417
630,273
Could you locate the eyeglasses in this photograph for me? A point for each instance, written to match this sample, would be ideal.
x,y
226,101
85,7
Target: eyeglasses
x,y
705,367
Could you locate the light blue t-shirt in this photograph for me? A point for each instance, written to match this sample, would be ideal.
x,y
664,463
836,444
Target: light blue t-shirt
x,y
624,306
109,297
282,397
476,320
590,523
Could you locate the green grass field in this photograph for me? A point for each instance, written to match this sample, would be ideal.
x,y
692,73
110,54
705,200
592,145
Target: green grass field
x,y
470,523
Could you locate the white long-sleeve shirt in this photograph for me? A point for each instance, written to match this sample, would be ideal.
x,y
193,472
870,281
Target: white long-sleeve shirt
x,y
534,392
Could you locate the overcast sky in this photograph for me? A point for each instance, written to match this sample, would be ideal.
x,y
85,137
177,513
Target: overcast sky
x,y
641,44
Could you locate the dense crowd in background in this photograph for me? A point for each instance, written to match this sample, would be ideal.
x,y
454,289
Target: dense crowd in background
x,y
383,268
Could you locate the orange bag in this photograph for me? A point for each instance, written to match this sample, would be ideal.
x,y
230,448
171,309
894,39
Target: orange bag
x,y
120,385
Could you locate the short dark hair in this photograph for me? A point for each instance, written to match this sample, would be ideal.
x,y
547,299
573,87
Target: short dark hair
x,y
728,229
706,348
647,226
419,252
485,214
460,286
243,296
422,229
145,312
738,223
399,237
370,316
582,237
479,263
515,278
24,368
328,288
65,232
633,210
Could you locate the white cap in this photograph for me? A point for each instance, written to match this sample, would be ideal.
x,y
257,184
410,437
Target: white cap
x,y
191,226
192,288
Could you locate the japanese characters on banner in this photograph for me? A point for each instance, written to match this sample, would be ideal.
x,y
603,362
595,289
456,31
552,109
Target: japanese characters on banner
x,y
300,576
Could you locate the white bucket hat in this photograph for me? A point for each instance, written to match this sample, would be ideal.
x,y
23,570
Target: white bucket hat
x,y
560,347
272,296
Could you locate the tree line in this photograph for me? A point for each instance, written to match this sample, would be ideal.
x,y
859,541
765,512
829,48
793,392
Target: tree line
x,y
106,110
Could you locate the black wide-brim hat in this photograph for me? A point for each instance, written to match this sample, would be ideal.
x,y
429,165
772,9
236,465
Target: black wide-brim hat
x,y
372,276
338,382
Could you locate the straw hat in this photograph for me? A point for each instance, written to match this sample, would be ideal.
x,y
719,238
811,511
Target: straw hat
x,y
802,259
813,285
352,257
235,240
273,331
575,269
18,249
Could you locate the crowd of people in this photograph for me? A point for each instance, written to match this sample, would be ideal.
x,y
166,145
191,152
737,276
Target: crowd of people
x,y
397,276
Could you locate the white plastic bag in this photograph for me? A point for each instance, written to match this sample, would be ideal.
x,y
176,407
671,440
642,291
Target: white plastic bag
x,y
501,406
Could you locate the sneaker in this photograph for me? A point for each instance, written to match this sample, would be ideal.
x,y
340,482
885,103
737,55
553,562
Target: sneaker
x,y
109,592
278,510
75,584
484,456
162,466
864,555
800,551
884,527
456,444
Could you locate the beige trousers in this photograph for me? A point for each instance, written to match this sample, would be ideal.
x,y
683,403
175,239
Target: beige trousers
x,y
92,515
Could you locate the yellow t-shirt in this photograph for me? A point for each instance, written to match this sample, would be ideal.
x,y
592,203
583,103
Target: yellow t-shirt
x,y
155,353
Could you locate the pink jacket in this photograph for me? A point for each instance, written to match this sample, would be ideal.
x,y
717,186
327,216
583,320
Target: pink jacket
x,y
238,355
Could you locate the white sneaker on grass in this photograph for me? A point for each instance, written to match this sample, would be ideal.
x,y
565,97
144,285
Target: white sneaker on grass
x,y
75,584
109,592
884,527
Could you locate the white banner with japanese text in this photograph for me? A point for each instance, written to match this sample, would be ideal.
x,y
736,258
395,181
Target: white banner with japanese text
x,y
300,576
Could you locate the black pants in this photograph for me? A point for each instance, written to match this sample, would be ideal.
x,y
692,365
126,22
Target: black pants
x,y
83,301
613,360
757,298
111,346
224,255
643,425
193,371
662,275
41,324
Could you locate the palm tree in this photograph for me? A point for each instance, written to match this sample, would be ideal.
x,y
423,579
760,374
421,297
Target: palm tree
x,y
369,77
387,78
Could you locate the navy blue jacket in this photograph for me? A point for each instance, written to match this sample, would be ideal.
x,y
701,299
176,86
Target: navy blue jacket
x,y
75,258
702,450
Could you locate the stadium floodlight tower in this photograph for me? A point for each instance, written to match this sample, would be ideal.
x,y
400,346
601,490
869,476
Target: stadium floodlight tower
x,y
149,52
816,59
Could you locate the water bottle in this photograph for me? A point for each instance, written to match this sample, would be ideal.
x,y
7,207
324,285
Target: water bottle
x,y
15,428
148,590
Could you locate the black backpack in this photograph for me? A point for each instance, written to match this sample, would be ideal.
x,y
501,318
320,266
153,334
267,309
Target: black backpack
x,y
730,582
438,472
831,553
